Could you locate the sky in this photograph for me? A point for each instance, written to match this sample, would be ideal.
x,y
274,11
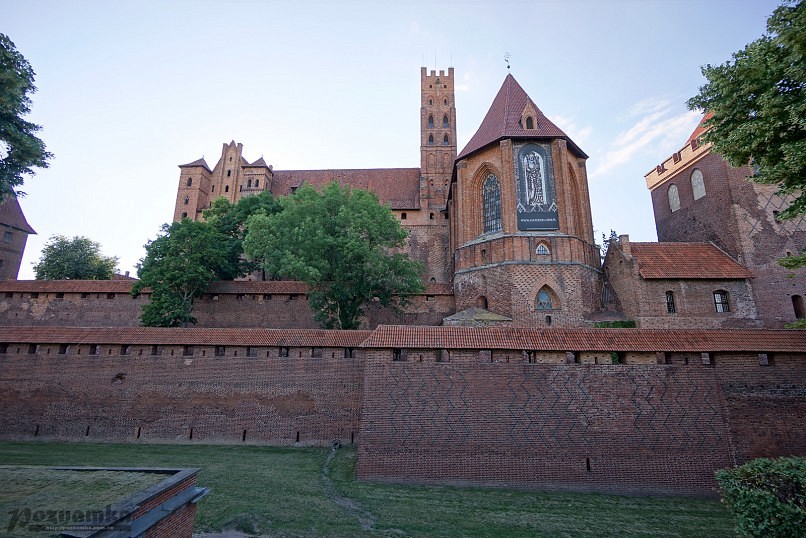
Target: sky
x,y
127,91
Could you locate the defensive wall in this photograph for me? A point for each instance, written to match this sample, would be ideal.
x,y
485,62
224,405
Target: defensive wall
x,y
267,304
511,407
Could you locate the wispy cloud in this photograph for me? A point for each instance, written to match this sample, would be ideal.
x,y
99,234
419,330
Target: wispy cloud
x,y
464,86
579,134
654,126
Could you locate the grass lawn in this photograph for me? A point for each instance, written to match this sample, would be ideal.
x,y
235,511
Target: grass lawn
x,y
282,492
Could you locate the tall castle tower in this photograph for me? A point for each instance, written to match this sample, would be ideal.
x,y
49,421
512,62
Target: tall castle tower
x,y
437,136
521,228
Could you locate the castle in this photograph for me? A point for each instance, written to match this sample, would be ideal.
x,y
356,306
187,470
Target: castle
x,y
507,224
493,376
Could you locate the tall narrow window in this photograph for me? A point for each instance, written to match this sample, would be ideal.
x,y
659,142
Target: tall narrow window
x,y
212,188
226,188
491,204
797,304
229,173
187,199
445,122
670,308
430,122
445,140
530,123
248,183
430,140
190,182
257,183
721,301
674,198
544,299
697,184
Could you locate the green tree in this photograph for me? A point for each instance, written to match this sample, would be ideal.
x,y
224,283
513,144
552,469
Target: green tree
x,y
20,149
77,258
179,265
759,107
338,242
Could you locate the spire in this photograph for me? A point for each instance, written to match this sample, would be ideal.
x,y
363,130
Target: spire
x,y
503,120
197,162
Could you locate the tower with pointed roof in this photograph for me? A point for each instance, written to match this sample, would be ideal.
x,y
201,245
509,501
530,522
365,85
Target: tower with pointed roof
x,y
521,229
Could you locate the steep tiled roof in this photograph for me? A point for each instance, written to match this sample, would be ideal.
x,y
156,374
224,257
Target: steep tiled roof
x,y
398,187
259,162
197,162
503,120
685,260
701,128
648,340
191,336
11,215
258,286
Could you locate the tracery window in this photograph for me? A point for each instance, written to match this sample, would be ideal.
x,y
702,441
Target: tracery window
x,y
544,299
491,196
697,184
430,122
674,198
445,121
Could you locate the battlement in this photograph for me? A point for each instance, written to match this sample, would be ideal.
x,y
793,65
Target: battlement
x,y
432,76
688,154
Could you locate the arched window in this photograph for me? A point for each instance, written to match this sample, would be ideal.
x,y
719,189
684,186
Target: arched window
x,y
445,121
430,101
797,304
697,184
226,188
248,183
542,250
674,198
544,299
721,301
257,183
430,140
481,302
445,102
190,182
229,173
491,196
445,141
187,200
430,121
530,123
670,307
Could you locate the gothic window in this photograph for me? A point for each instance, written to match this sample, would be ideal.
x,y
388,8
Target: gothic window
x,y
670,308
445,121
229,173
430,101
445,141
226,188
187,200
697,184
445,102
674,198
542,250
257,183
721,301
430,140
190,182
544,299
491,195
530,123
430,122
248,183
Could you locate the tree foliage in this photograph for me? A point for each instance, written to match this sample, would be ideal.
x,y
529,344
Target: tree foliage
x,y
338,242
768,497
77,258
20,149
179,265
759,107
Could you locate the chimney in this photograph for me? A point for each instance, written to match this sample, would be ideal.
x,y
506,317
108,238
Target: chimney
x,y
624,241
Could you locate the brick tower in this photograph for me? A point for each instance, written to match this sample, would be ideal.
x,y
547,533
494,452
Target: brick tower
x,y
521,228
437,136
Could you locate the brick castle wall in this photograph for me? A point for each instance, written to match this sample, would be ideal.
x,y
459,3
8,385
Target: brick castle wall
x,y
179,396
628,429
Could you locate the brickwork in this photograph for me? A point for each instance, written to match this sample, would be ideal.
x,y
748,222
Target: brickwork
x,y
180,394
628,429
178,525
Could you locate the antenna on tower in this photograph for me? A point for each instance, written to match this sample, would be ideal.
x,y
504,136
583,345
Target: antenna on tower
x,y
507,56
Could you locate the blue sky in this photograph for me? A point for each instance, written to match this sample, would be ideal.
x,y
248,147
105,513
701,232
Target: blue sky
x,y
129,90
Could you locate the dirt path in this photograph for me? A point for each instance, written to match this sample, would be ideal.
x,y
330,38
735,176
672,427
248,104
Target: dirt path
x,y
366,519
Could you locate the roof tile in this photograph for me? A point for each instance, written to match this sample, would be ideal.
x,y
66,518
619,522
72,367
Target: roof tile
x,y
11,215
685,261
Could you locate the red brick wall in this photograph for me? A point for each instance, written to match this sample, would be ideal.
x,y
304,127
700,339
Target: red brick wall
x,y
177,525
114,398
634,429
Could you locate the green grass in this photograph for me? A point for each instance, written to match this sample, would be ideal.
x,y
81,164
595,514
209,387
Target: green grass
x,y
281,492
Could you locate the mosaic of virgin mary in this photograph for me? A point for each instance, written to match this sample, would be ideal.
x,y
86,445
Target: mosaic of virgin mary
x,y
537,208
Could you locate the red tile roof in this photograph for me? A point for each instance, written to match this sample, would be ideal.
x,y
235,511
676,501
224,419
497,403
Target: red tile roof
x,y
647,340
398,187
197,162
11,215
685,261
190,336
701,128
503,120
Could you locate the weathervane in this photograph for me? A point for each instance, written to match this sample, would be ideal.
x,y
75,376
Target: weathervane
x,y
507,56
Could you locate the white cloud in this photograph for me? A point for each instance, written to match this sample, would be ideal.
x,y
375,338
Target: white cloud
x,y
464,86
579,134
656,132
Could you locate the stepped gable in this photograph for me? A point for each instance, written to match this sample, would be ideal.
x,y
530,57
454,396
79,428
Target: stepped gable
x,y
11,215
197,162
398,187
503,120
648,340
184,336
685,261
